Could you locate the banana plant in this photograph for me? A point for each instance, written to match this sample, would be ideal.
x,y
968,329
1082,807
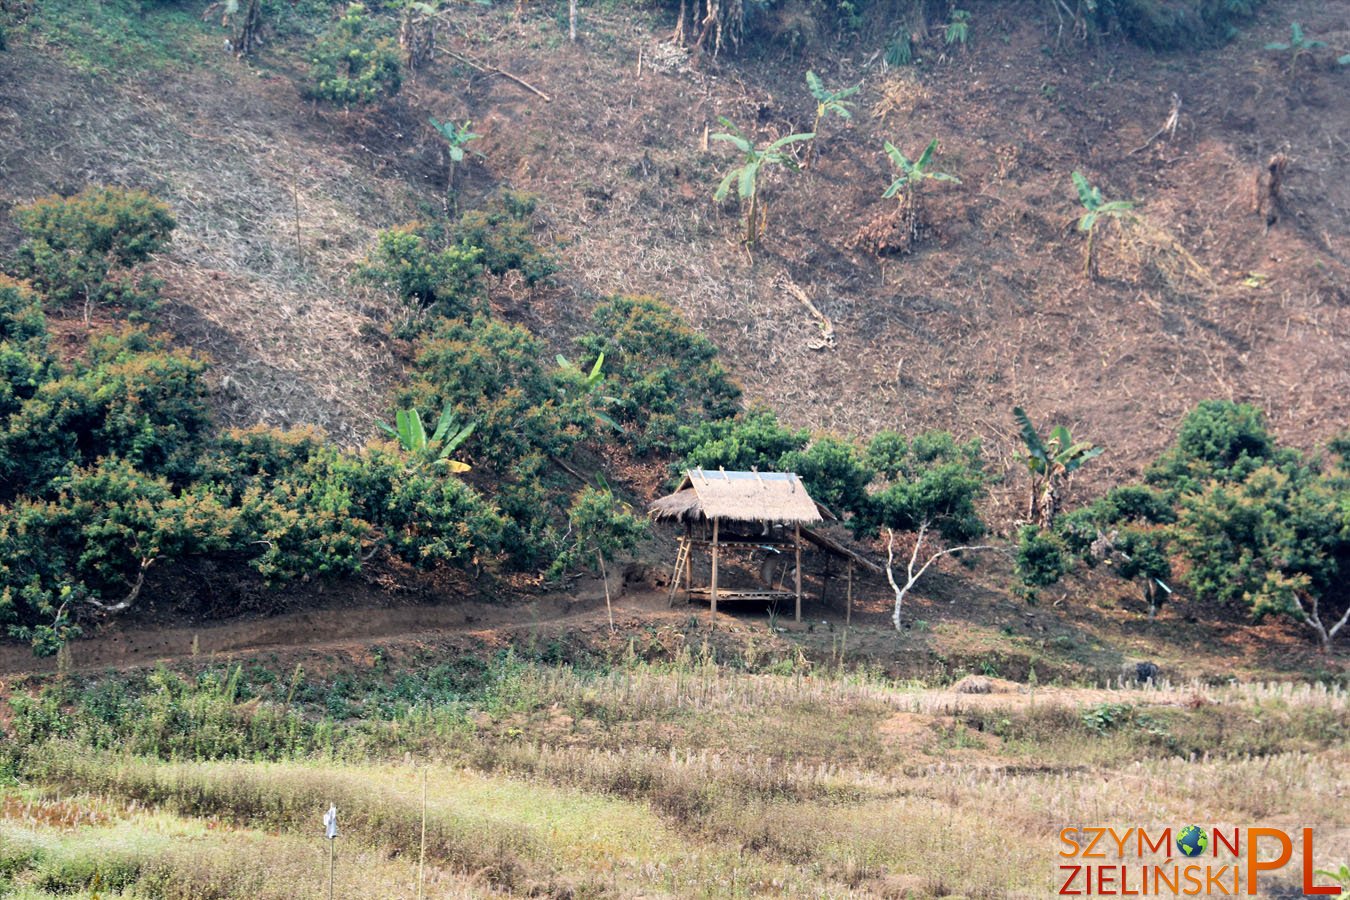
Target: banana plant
x,y
457,137
591,382
913,174
827,102
745,177
1095,208
1050,462
1297,45
446,439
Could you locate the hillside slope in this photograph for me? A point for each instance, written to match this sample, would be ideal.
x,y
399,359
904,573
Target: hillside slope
x,y
990,310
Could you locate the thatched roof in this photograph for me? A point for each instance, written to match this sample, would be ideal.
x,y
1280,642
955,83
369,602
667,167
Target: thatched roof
x,y
777,497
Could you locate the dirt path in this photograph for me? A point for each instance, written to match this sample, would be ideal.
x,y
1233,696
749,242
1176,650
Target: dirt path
x,y
129,645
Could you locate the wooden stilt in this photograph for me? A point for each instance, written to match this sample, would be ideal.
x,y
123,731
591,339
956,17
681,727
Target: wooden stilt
x,y
689,564
797,532
713,586
848,611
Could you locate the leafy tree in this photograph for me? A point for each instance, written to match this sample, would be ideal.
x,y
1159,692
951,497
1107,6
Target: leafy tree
x,y
1050,462
601,528
928,487
745,177
752,440
1095,209
435,450
661,372
834,472
456,137
827,102
84,249
1277,541
1218,441
353,64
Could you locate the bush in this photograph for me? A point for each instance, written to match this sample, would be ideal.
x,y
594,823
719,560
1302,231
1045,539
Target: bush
x,y
133,399
601,526
502,233
84,248
493,374
440,281
353,64
660,371
754,439
1041,558
25,360
1218,440
931,480
92,543
834,473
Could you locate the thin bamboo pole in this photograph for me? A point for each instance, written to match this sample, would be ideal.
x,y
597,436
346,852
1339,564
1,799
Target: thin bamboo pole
x,y
848,610
713,587
797,532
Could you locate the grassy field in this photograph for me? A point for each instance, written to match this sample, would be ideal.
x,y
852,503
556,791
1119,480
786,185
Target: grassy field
x,y
685,778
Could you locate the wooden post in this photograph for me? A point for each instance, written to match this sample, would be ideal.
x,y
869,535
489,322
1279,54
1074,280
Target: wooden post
x,y
689,564
848,611
422,854
797,533
713,590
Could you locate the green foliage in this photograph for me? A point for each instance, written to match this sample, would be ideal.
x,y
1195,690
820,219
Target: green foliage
x,y
1041,559
834,472
133,399
1218,441
661,372
754,439
435,450
1299,45
1049,462
601,526
1276,541
931,483
85,248
900,48
457,137
25,360
1163,25
93,540
958,28
912,174
828,102
744,179
354,64
440,280
502,233
1095,208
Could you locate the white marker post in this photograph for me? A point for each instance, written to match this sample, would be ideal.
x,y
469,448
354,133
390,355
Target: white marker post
x,y
330,831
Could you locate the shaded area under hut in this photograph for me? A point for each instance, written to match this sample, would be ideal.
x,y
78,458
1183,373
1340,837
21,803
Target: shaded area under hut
x,y
766,512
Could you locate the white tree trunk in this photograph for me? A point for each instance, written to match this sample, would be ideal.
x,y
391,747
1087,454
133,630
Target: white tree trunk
x,y
910,574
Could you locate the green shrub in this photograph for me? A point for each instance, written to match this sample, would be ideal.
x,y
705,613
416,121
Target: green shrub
x,y
1041,558
91,543
83,249
354,64
601,527
660,371
753,439
493,373
133,399
931,481
25,360
502,233
1218,440
834,472
441,281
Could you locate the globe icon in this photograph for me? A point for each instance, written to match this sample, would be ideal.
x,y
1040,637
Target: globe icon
x,y
1192,840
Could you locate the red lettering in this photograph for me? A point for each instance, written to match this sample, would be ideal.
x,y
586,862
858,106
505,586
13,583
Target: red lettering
x,y
1106,880
1235,848
1073,873
1308,886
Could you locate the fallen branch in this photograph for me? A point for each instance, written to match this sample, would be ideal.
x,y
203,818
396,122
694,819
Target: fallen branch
x,y
125,602
826,339
493,70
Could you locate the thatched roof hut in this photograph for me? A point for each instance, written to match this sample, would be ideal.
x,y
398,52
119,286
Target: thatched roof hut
x,y
777,498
